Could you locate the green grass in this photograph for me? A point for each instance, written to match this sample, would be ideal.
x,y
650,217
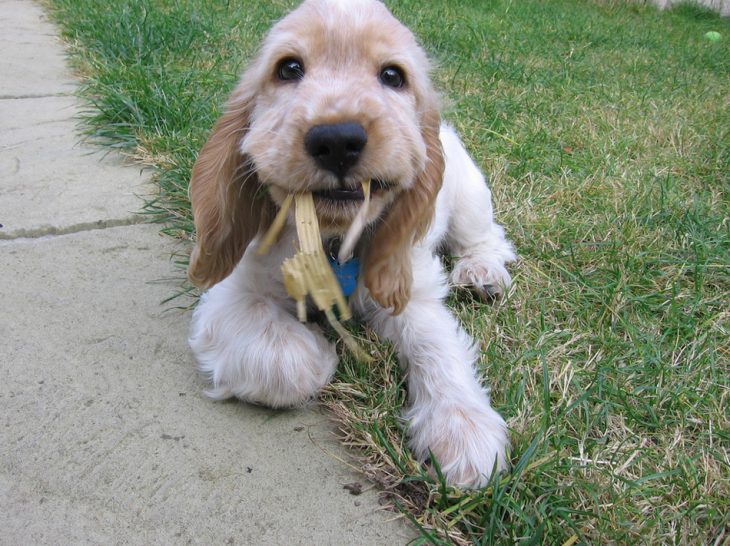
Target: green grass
x,y
605,129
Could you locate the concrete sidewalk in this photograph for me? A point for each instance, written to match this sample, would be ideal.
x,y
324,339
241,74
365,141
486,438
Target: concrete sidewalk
x,y
106,437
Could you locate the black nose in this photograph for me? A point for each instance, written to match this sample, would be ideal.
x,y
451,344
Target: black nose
x,y
336,147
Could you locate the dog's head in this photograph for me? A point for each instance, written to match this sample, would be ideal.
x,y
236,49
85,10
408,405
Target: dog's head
x,y
338,94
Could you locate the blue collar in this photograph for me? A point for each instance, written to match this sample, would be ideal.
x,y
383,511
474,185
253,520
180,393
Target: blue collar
x,y
346,274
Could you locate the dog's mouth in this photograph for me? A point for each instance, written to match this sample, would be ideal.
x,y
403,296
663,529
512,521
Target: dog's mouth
x,y
352,194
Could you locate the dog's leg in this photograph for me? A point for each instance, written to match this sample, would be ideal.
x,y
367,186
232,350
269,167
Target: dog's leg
x,y
449,413
473,237
251,347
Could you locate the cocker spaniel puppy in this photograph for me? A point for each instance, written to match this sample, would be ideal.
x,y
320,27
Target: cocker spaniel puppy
x,y
340,93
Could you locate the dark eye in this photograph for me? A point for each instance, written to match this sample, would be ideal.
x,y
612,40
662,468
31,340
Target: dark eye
x,y
392,76
290,70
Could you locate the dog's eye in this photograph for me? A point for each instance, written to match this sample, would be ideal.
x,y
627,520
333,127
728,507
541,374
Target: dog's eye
x,y
290,70
392,76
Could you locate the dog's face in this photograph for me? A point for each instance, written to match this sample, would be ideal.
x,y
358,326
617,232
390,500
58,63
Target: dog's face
x,y
338,103
338,94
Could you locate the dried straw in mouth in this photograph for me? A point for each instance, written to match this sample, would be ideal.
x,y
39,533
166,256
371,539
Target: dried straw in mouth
x,y
356,228
308,273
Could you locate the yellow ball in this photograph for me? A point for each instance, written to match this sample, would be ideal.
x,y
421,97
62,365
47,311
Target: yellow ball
x,y
713,36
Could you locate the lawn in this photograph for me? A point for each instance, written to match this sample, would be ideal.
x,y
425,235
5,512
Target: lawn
x,y
604,127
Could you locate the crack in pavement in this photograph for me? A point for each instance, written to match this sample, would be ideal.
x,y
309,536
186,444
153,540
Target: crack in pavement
x,y
36,96
53,231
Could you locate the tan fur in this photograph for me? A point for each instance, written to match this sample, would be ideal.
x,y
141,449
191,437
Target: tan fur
x,y
387,268
223,193
245,336
264,126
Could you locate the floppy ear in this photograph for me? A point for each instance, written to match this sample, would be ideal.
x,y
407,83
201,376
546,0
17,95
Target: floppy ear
x,y
223,191
388,270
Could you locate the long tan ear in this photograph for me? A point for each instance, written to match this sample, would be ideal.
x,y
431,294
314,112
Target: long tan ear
x,y
388,270
223,189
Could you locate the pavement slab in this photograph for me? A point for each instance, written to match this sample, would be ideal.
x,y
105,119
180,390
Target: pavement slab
x,y
106,435
32,63
52,183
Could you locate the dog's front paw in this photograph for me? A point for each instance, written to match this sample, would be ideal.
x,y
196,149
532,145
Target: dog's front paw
x,y
276,362
468,444
487,277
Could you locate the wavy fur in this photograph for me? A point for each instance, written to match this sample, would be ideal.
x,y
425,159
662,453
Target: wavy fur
x,y
428,195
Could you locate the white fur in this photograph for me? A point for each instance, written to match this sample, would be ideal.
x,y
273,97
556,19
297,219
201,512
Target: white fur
x,y
249,343
245,335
